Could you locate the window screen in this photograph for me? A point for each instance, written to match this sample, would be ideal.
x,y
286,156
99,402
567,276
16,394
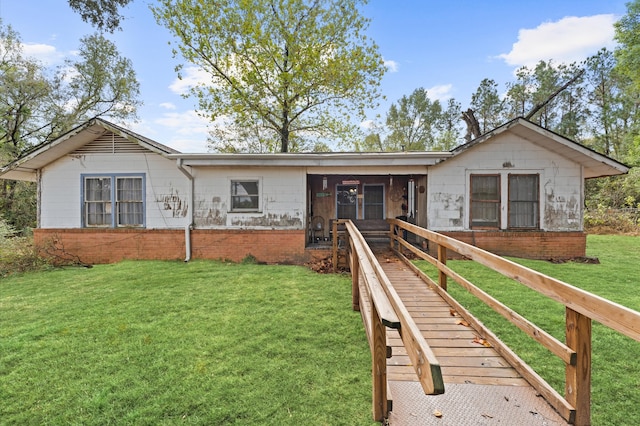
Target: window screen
x,y
97,201
129,201
524,211
485,201
245,195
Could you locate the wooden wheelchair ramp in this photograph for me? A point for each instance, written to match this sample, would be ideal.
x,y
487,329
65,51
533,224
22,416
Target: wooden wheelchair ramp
x,y
481,388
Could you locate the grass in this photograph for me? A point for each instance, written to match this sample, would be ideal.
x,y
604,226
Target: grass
x,y
616,358
161,343
217,343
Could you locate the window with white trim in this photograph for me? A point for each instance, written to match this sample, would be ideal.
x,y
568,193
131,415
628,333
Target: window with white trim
x,y
111,201
129,205
245,195
97,201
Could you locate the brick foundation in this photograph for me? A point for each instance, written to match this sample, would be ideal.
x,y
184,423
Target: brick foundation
x,y
95,246
526,244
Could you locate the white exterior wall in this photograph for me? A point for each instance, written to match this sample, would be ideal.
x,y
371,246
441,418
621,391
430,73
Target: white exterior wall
x,y
561,184
282,198
166,188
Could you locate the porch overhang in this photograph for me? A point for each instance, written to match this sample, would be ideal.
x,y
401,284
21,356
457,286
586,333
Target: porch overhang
x,y
319,162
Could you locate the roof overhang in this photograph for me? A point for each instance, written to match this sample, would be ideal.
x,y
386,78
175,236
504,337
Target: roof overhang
x,y
594,164
26,167
322,162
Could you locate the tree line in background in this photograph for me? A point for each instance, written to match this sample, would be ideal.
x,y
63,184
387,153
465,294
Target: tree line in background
x,y
592,103
287,75
595,103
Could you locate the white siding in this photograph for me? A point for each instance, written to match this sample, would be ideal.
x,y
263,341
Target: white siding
x,y
166,191
282,198
561,184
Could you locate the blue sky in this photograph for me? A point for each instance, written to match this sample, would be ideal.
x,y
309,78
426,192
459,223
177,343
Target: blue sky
x,y
445,46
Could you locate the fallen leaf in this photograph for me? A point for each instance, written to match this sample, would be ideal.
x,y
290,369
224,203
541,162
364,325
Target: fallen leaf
x,y
481,341
462,322
488,416
437,413
453,312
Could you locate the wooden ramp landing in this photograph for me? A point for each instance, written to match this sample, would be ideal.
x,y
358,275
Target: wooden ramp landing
x,y
481,388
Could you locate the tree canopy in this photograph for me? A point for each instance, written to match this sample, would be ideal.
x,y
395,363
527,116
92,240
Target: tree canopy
x,y
628,35
102,14
282,73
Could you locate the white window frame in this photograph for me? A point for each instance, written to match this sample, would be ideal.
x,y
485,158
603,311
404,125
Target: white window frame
x,y
258,207
504,201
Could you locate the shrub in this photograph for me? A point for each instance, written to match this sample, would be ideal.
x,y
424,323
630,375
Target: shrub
x,y
17,253
604,220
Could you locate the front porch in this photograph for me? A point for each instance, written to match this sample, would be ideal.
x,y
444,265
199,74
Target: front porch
x,y
366,199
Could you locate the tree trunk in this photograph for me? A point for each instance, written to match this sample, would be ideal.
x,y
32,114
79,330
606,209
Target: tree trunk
x,y
284,139
473,127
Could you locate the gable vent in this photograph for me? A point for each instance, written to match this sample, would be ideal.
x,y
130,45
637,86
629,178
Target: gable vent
x,y
110,143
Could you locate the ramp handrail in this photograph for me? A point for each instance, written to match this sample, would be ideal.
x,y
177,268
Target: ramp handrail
x,y
386,310
580,308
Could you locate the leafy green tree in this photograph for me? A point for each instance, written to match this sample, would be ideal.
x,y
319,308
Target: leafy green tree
x,y
571,105
448,130
545,79
628,63
612,111
550,95
38,104
102,14
487,105
411,122
290,68
518,100
628,36
372,143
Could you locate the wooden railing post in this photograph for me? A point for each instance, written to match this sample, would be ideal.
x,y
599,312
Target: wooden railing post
x,y
355,280
392,230
578,376
379,366
334,229
442,257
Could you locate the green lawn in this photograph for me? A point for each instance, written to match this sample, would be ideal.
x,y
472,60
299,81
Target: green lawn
x,y
209,343
616,359
215,343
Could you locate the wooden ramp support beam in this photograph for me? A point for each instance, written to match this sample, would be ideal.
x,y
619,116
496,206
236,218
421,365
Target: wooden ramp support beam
x,y
381,307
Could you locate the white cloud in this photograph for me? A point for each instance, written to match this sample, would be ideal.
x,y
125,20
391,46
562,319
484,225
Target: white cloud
x,y
392,66
168,105
45,53
191,77
570,39
186,123
185,131
440,92
368,125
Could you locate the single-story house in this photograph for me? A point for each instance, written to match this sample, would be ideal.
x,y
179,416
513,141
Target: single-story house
x,y
106,193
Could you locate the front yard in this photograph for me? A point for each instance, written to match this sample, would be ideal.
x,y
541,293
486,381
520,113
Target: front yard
x,y
206,343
